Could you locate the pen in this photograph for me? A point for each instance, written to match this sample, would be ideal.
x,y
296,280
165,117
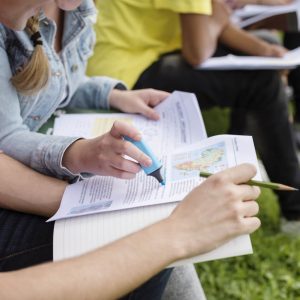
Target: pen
x,y
154,169
269,185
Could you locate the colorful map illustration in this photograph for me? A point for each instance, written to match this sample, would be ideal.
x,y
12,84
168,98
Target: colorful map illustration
x,y
210,159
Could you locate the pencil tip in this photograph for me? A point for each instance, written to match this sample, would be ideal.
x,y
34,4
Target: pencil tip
x,y
287,188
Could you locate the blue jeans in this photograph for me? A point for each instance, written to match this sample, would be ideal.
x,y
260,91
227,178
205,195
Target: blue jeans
x,y
27,240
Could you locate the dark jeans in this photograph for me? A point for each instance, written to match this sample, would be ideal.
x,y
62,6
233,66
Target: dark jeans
x,y
257,94
26,240
292,41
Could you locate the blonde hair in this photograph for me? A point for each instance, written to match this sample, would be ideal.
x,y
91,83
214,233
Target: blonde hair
x,y
35,75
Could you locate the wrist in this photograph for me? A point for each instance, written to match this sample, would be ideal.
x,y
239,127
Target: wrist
x,y
72,158
176,248
114,98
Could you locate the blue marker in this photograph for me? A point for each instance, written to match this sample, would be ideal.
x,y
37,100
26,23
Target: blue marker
x,y
154,169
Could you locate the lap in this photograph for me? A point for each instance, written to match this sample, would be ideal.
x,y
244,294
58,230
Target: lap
x,y
236,89
25,240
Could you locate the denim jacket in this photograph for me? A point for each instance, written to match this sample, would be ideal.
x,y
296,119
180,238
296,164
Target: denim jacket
x,y
21,116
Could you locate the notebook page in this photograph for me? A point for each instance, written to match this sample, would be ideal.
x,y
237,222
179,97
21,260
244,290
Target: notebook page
x,y
234,62
76,236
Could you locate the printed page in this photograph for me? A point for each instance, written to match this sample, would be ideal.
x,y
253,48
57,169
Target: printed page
x,y
103,193
179,116
233,62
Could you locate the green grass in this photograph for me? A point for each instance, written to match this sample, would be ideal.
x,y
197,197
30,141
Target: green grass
x,y
273,271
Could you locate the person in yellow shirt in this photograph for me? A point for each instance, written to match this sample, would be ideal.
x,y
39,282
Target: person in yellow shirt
x,y
157,43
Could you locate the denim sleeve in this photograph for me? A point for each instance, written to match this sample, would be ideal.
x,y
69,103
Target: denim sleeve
x,y
93,93
41,152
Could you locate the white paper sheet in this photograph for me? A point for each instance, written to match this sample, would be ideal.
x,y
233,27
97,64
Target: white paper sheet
x,y
252,13
234,62
179,116
75,236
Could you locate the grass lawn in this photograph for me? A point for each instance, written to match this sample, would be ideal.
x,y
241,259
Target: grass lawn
x,y
273,271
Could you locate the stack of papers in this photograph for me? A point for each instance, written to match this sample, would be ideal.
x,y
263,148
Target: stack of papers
x,y
234,62
252,13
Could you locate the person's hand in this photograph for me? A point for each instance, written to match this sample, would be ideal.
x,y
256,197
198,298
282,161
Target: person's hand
x,y
138,101
271,50
219,209
104,155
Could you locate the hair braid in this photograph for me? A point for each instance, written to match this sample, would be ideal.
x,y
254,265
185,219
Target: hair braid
x,y
34,76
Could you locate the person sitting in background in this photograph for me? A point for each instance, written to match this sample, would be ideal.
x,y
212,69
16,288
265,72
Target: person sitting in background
x,y
158,43
291,40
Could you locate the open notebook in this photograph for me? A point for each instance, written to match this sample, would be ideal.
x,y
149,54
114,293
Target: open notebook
x,y
100,210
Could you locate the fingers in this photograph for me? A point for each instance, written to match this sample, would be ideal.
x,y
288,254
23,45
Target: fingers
x,y
239,174
123,147
125,165
251,224
120,174
151,98
156,96
248,192
249,208
119,129
147,111
278,51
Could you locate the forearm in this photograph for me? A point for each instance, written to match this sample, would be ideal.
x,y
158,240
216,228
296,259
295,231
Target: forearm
x,y
107,273
93,93
25,190
200,37
243,41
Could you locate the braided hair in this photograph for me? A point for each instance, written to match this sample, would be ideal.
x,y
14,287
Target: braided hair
x,y
35,75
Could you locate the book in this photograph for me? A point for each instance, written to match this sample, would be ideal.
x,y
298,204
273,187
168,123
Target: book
x,y
99,210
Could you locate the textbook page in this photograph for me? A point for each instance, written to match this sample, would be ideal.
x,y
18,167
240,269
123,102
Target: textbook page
x,y
75,236
181,173
179,116
234,62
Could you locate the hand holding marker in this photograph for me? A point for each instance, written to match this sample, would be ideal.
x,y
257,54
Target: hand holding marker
x,y
154,169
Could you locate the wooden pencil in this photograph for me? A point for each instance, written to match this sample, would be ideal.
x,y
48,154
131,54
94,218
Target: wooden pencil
x,y
264,184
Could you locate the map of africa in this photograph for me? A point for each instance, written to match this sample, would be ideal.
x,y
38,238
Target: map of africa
x,y
210,159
